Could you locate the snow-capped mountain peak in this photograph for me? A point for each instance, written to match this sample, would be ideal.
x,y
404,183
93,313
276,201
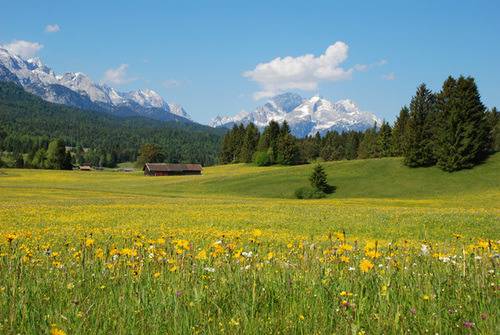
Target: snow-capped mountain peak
x,y
304,116
77,89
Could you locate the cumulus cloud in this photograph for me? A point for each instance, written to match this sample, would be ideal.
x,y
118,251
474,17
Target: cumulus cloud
x,y
389,76
25,49
117,76
52,28
302,72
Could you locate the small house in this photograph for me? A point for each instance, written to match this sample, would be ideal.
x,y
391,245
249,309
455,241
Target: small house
x,y
168,169
86,167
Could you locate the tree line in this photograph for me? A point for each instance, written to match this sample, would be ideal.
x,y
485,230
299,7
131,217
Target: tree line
x,y
29,124
450,128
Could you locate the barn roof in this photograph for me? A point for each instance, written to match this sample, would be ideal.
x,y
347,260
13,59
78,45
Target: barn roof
x,y
169,167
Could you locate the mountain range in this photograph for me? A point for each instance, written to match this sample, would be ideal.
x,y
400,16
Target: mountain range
x,y
78,90
305,117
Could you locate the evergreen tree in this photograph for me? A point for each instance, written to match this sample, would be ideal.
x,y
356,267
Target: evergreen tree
x,y
463,135
226,154
19,161
494,120
319,180
399,132
368,144
56,154
288,151
419,143
149,153
250,141
384,140
39,159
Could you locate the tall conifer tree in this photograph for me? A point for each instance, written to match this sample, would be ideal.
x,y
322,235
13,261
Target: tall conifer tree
x,y
419,143
399,132
463,133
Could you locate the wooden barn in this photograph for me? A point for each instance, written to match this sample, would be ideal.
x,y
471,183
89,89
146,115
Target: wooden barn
x,y
168,169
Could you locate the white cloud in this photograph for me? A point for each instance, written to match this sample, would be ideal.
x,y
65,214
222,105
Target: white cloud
x,y
302,72
117,76
25,49
389,76
52,28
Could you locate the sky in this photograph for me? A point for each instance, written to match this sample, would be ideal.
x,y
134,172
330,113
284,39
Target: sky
x,y
221,57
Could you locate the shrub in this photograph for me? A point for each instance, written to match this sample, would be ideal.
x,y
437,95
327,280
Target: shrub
x,y
262,158
309,193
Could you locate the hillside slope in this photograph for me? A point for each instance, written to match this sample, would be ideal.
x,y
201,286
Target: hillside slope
x,y
22,113
385,178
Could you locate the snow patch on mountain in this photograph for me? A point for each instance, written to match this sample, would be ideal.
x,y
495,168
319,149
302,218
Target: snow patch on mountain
x,y
77,89
305,117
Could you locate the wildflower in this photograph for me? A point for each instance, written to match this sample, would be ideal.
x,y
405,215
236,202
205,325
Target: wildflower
x,y
257,233
247,254
10,237
424,249
469,324
345,303
202,255
156,274
89,242
345,294
56,331
209,269
365,265
344,259
234,322
426,297
270,255
301,317
70,286
173,268
340,236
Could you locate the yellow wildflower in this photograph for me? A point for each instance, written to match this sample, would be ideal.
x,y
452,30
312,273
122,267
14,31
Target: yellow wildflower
x,y
365,265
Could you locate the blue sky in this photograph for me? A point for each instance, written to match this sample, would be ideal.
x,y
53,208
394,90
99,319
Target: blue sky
x,y
204,54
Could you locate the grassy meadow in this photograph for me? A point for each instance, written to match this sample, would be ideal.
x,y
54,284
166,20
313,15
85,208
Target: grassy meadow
x,y
394,250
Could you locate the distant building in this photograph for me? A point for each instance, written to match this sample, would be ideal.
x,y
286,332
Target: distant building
x,y
167,169
86,167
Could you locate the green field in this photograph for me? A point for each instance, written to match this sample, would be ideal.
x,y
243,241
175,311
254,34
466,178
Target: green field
x,y
232,251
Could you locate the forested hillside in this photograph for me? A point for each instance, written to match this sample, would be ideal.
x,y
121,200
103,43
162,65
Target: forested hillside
x,y
28,123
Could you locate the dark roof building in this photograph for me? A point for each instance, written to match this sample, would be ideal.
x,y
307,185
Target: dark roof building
x,y
167,169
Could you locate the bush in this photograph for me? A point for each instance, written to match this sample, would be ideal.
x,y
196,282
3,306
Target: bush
x,y
309,193
262,158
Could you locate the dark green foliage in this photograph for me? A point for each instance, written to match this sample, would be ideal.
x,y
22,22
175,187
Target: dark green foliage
x,y
262,158
463,133
309,193
419,143
494,119
384,140
56,156
319,181
149,153
19,161
399,132
288,151
29,123
250,141
368,145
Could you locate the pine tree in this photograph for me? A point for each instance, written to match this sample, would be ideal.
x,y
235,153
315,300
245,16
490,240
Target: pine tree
x,y
56,154
250,141
399,132
384,140
494,121
368,144
288,151
463,135
319,180
419,143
